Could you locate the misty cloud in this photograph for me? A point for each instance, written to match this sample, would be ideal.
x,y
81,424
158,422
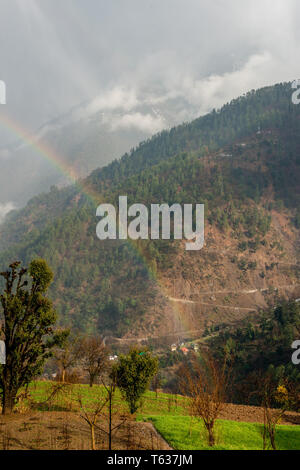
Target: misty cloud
x,y
134,66
117,98
143,122
5,209
53,58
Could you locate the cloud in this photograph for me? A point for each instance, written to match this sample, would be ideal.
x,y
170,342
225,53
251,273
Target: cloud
x,y
117,98
199,96
5,209
143,122
4,154
110,54
128,59
216,89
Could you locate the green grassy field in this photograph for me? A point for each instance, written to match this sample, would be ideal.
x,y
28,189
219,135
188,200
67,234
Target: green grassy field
x,y
169,415
183,434
162,404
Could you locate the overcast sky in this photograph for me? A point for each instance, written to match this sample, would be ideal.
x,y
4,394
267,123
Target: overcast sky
x,y
56,54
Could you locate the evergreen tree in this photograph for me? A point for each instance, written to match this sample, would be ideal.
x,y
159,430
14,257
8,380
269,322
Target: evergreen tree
x,y
134,373
28,330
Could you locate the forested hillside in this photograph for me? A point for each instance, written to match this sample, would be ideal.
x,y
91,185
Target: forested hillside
x,y
242,162
259,347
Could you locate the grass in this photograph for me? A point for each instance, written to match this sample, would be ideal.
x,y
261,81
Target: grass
x,y
169,415
163,404
183,434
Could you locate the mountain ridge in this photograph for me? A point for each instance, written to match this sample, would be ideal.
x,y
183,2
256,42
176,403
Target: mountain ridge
x,y
246,175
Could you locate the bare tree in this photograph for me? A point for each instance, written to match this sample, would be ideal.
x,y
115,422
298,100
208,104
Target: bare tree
x,y
93,357
60,394
110,389
273,395
206,386
156,383
91,413
67,356
104,407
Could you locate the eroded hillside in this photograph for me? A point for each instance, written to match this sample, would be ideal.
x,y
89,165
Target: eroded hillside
x,y
242,163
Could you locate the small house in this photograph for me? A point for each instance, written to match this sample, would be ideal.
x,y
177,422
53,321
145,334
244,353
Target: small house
x,y
184,350
113,358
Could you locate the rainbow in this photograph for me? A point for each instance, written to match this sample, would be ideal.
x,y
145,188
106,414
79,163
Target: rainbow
x,y
47,153
39,147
